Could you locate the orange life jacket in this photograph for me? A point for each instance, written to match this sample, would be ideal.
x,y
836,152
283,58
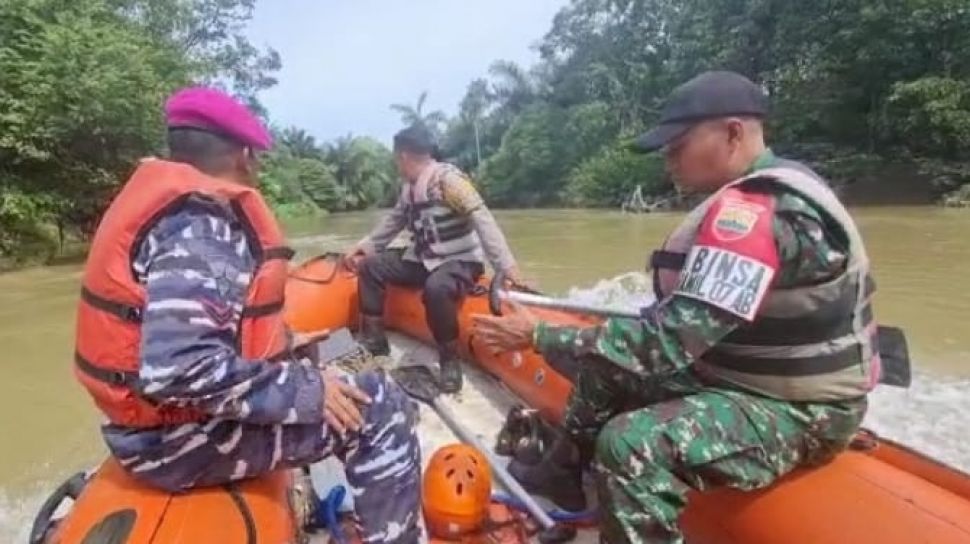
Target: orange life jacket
x,y
108,340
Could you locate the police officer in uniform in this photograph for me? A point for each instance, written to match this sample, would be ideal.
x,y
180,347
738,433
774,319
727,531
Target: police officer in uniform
x,y
757,357
453,233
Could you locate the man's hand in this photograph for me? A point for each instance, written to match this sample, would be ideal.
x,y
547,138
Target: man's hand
x,y
355,255
511,332
513,278
341,403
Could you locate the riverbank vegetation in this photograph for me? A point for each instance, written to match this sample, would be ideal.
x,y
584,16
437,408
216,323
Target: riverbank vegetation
x,y
859,87
81,85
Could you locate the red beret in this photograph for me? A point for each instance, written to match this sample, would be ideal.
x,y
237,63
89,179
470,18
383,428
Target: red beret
x,y
204,108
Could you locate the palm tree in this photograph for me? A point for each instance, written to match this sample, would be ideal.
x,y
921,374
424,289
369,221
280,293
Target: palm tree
x,y
363,168
512,86
300,143
415,115
477,99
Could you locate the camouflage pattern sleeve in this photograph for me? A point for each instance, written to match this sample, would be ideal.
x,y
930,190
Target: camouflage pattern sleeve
x,y
811,251
679,329
196,267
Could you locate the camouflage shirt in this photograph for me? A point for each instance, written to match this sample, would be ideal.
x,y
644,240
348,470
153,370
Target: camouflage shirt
x,y
196,266
678,330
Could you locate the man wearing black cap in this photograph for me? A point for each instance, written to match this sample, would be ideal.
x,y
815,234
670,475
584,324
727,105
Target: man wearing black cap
x,y
450,226
756,358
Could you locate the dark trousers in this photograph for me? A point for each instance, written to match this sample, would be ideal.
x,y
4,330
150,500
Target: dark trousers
x,y
444,288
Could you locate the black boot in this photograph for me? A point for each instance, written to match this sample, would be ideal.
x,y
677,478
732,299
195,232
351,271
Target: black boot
x,y
372,336
449,380
518,432
558,476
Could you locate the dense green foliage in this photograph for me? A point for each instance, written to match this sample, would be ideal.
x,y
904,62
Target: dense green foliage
x,y
350,173
80,94
853,83
860,88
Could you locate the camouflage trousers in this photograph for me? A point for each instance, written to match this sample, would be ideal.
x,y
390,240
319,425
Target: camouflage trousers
x,y
382,461
652,441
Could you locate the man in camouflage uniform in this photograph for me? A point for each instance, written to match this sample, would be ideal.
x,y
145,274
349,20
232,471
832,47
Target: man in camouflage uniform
x,y
740,372
453,233
195,264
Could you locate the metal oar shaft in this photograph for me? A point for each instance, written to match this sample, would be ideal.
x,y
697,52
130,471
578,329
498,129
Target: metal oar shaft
x,y
530,299
498,468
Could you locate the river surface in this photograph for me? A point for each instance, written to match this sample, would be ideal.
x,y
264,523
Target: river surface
x,y
921,257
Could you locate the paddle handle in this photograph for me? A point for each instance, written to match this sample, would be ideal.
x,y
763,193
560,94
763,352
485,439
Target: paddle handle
x,y
498,468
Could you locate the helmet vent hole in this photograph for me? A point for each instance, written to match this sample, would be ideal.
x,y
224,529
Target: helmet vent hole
x,y
459,488
450,473
449,457
470,475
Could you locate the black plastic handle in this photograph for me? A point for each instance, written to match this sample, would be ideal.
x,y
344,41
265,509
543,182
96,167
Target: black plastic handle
x,y
71,488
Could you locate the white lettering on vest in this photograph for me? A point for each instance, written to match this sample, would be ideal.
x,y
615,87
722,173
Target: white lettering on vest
x,y
725,279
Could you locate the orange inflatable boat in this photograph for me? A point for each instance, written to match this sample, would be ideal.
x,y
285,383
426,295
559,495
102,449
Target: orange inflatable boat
x,y
877,492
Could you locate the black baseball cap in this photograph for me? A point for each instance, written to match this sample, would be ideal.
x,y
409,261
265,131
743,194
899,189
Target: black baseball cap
x,y
417,139
711,95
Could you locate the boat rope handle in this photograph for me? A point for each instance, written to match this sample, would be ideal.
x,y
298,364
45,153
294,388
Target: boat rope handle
x,y
339,257
244,511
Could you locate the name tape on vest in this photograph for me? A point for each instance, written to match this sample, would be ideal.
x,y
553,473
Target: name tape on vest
x,y
728,280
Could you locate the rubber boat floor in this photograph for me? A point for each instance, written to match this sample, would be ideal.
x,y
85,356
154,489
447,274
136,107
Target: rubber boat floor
x,y
481,406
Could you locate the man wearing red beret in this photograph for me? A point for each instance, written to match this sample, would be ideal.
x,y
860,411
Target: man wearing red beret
x,y
181,342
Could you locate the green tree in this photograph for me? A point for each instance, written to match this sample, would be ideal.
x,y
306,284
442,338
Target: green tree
x,y
82,85
364,168
415,115
300,143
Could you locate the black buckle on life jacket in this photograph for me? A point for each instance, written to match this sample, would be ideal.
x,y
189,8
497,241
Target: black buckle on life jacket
x,y
133,314
125,312
116,378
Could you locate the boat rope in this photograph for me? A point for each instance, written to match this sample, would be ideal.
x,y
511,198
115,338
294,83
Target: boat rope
x,y
244,511
339,257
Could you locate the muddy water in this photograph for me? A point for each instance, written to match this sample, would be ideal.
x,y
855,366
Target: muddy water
x,y
921,257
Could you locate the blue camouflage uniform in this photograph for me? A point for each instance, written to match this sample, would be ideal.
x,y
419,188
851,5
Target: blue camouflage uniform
x,y
196,267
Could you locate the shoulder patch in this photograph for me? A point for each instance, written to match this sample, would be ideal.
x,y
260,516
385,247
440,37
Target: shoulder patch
x,y
735,219
459,192
734,258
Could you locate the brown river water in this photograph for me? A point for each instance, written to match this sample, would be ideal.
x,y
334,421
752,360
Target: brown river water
x,y
921,259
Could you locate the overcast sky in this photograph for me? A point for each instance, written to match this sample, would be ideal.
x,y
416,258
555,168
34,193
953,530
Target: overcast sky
x,y
346,61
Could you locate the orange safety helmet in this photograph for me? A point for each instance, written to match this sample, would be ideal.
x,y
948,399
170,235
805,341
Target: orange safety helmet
x,y
457,491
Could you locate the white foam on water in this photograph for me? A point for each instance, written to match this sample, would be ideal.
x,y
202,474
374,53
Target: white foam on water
x,y
930,416
17,512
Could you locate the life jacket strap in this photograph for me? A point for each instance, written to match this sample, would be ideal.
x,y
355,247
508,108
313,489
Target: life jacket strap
x,y
125,312
262,310
281,253
117,378
667,260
